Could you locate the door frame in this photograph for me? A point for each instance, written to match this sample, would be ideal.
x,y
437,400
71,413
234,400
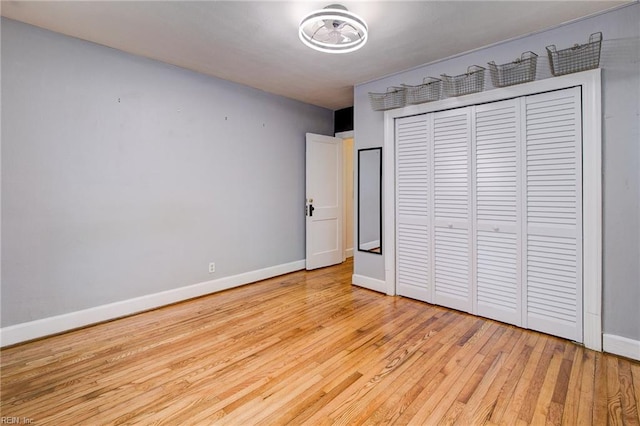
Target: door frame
x,y
590,83
349,134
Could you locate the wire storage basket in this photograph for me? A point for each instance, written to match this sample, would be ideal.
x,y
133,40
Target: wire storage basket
x,y
394,98
428,91
519,71
463,84
580,57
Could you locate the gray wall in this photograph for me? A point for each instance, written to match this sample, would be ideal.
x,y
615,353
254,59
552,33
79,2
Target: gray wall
x,y
621,145
123,177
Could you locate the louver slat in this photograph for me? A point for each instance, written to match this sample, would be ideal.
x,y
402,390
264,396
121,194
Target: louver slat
x,y
554,213
451,165
452,267
413,237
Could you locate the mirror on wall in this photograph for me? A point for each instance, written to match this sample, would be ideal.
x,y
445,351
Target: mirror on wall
x,y
370,200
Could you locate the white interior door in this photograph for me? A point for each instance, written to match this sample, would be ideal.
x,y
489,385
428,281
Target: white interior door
x,y
553,248
452,208
413,207
497,213
324,201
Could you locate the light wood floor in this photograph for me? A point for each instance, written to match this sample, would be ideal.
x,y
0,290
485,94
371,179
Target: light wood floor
x,y
309,348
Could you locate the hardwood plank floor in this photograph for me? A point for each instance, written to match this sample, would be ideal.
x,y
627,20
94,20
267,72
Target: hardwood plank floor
x,y
309,348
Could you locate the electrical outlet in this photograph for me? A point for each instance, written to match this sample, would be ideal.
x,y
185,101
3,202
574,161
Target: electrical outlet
x,y
212,268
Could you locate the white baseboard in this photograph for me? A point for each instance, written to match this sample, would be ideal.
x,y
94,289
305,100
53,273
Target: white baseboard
x,y
43,327
621,346
370,283
348,252
370,245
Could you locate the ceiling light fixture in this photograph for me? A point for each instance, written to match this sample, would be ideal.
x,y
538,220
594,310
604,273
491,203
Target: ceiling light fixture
x,y
333,30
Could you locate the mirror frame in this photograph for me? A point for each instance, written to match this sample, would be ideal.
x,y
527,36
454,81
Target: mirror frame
x,y
379,175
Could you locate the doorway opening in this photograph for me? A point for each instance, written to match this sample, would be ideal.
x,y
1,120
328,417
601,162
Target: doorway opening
x,y
348,191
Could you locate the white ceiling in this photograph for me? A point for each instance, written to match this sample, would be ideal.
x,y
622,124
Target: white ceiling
x,y
256,43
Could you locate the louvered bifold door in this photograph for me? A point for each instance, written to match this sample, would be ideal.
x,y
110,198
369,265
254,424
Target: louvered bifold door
x,y
452,208
496,149
413,232
553,210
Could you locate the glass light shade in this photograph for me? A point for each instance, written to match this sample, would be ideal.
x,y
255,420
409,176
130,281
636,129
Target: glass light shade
x,y
333,30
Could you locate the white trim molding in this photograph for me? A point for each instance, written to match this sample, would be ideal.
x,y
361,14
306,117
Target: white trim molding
x,y
60,323
622,346
344,135
590,82
369,283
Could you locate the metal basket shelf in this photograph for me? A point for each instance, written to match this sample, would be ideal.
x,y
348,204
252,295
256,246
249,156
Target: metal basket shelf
x,y
580,57
519,71
471,82
428,91
395,97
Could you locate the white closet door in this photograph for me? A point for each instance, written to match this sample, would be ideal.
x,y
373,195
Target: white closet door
x,y
413,233
553,247
452,208
498,276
